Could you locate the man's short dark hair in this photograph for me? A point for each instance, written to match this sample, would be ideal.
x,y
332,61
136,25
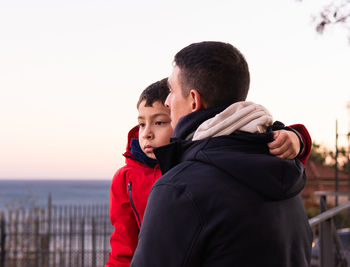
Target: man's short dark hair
x,y
218,71
157,91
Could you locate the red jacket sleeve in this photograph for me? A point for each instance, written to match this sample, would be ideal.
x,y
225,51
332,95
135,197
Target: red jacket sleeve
x,y
301,129
124,237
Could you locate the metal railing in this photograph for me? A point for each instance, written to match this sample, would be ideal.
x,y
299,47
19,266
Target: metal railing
x,y
55,236
79,235
326,227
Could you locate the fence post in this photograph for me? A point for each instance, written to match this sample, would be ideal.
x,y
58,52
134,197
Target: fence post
x,y
327,258
82,240
28,225
70,241
15,237
48,234
105,251
326,244
36,240
93,233
2,240
53,235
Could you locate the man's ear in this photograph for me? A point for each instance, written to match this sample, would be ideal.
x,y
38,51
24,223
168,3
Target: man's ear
x,y
197,101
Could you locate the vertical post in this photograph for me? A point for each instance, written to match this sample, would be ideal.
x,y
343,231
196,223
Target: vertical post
x,y
65,233
105,251
49,222
70,240
15,238
36,240
348,108
10,232
327,258
54,235
60,234
82,240
28,224
2,239
336,162
323,203
93,241
349,155
326,244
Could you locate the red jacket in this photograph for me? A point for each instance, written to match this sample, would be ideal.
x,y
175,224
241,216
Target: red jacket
x,y
304,134
128,198
127,202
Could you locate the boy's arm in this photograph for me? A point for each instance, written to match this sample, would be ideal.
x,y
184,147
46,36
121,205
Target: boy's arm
x,y
294,142
306,139
124,237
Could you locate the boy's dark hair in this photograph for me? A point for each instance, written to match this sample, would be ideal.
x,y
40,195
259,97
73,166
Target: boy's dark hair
x,y
218,71
157,91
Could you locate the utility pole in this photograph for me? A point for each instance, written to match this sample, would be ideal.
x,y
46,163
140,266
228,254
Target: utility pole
x,y
336,163
348,108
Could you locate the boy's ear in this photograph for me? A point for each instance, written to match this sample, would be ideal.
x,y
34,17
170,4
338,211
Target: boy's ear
x,y
197,101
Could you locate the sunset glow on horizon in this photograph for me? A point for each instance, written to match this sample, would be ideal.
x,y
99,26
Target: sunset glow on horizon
x,y
71,73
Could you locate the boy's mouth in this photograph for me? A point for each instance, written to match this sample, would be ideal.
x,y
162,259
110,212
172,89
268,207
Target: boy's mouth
x,y
148,149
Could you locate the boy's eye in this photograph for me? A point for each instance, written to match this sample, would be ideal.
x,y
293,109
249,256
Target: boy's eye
x,y
160,122
141,124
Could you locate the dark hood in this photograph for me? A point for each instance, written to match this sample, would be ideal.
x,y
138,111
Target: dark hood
x,y
243,156
133,134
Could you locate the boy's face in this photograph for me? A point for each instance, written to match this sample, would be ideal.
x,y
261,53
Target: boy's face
x,y
155,128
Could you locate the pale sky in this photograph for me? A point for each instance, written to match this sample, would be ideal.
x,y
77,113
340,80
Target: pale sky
x,y
71,72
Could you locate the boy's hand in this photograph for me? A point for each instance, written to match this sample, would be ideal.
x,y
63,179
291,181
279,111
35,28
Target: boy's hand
x,y
286,144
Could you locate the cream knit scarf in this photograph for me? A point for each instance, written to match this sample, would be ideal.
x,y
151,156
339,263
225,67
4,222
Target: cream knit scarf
x,y
240,116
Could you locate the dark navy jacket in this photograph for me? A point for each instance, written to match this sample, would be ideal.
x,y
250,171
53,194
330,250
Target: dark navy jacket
x,y
224,201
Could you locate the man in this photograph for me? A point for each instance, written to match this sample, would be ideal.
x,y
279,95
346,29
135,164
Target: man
x,y
223,199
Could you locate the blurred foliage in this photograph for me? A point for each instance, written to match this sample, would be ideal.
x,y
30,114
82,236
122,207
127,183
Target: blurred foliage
x,y
336,12
343,219
318,153
312,211
323,155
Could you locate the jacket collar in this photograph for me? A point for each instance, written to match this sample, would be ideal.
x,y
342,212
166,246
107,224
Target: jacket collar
x,y
242,116
188,124
134,151
140,156
170,155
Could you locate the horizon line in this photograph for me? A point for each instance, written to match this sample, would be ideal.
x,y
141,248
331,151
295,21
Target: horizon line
x,y
53,178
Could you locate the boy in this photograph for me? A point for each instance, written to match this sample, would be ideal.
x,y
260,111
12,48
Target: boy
x,y
132,183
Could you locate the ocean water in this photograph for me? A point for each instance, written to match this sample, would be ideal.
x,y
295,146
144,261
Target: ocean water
x,y
34,193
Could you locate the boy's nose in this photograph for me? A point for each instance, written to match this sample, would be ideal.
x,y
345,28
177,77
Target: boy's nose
x,y
147,134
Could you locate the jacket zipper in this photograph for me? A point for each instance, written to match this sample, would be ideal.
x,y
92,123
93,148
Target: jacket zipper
x,y
132,203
